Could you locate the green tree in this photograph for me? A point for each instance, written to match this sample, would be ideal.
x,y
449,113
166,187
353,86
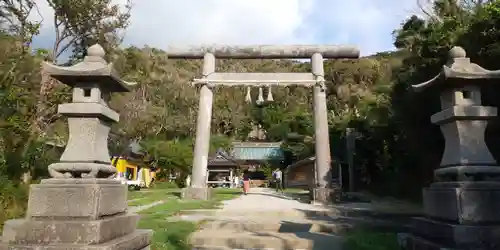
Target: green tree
x,y
79,24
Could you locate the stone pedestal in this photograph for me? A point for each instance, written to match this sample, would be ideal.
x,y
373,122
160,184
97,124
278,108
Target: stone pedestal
x,y
459,215
326,195
76,214
193,193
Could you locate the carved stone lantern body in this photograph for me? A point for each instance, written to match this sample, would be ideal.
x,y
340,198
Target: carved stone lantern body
x,y
461,207
463,119
89,116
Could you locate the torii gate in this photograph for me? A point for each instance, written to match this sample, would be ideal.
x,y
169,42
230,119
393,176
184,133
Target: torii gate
x,y
324,191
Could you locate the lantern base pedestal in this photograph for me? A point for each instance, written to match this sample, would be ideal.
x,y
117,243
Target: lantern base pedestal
x,y
76,214
419,243
433,234
138,240
466,202
459,215
192,193
326,195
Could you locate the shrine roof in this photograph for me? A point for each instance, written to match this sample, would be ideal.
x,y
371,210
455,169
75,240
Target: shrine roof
x,y
221,158
257,151
458,67
302,162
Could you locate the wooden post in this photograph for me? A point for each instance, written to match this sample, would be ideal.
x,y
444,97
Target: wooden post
x,y
231,178
351,145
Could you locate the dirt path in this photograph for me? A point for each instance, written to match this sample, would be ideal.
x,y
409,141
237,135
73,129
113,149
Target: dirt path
x,y
265,220
136,209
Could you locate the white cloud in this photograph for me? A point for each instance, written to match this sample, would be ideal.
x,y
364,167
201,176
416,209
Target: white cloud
x,y
160,23
367,23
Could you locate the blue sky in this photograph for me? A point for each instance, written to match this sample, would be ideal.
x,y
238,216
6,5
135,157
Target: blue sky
x,y
163,23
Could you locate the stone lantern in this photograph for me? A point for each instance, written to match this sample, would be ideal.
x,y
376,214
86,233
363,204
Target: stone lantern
x,y
82,206
461,208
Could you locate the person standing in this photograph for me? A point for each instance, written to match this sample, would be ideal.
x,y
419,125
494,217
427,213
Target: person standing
x,y
236,181
277,174
246,183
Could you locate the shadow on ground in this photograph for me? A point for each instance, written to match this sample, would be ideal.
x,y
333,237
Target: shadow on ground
x,y
346,219
300,197
316,229
356,211
177,194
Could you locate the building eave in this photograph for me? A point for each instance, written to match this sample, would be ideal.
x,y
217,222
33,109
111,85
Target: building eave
x,y
302,162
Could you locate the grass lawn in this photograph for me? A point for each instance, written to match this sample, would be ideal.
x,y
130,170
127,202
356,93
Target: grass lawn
x,y
138,198
173,235
369,240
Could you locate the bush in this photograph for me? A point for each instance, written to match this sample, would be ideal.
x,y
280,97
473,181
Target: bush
x,y
13,200
366,240
180,181
165,185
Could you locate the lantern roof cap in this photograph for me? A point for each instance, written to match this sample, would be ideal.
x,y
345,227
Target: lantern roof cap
x,y
457,67
93,70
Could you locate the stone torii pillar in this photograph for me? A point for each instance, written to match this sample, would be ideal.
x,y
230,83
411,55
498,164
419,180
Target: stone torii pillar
x,y
81,206
203,124
324,190
210,79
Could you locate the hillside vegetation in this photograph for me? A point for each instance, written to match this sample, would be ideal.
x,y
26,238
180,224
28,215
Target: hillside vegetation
x,y
395,155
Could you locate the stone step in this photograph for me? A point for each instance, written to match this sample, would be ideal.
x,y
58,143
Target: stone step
x,y
265,240
388,215
320,214
245,219
312,214
337,224
282,226
226,248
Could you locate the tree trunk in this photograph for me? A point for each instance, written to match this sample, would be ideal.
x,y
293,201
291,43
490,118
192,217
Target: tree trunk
x,y
38,125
